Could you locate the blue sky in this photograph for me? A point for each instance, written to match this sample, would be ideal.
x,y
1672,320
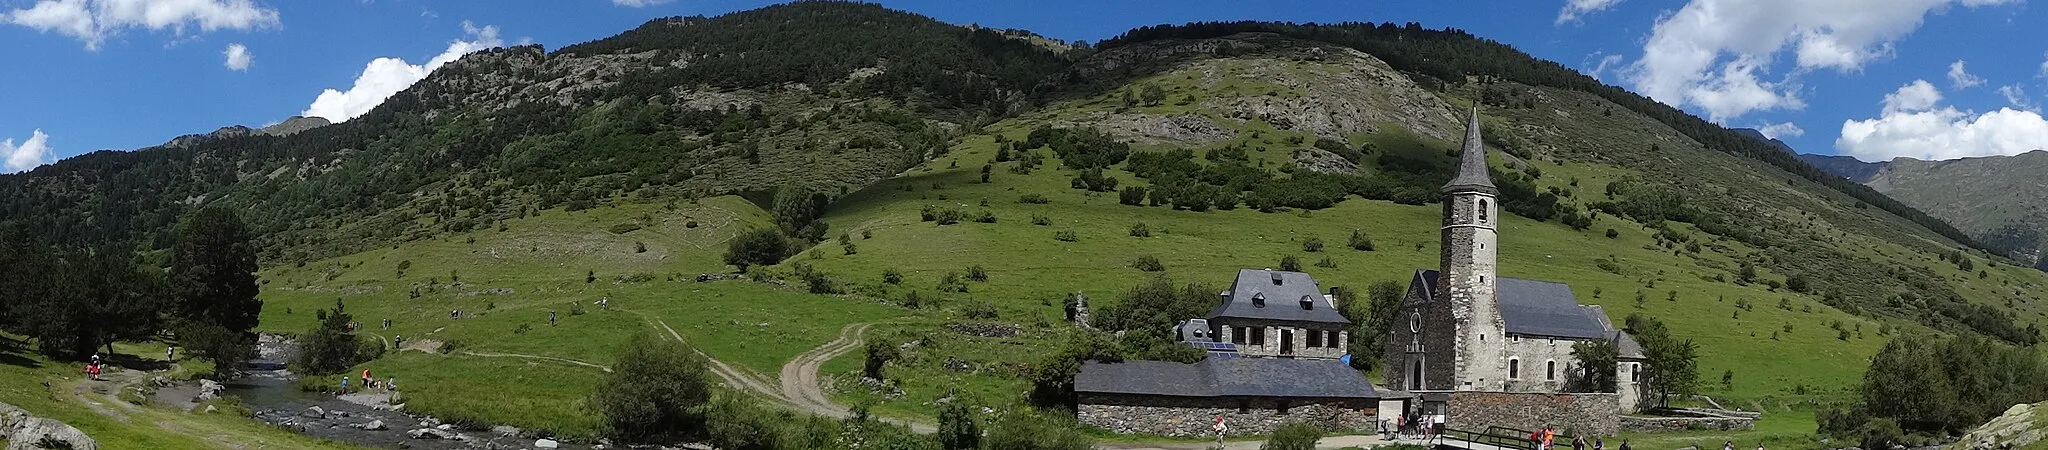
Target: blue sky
x,y
1869,78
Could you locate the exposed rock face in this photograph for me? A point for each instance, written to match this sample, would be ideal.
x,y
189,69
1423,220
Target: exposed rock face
x,y
292,125
33,432
2014,429
1323,161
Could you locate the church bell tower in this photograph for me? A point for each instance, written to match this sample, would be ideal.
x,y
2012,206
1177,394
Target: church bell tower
x,y
1467,279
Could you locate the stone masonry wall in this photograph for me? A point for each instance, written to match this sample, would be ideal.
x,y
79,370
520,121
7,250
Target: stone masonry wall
x,y
1184,417
1669,424
1590,414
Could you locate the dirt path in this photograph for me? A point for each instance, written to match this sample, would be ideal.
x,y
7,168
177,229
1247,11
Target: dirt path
x,y
738,378
800,380
547,358
1332,442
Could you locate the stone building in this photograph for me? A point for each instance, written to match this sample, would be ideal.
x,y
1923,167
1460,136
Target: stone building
x,y
1464,329
1272,313
1252,395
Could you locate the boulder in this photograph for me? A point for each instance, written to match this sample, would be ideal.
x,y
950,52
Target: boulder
x,y
210,409
375,425
11,415
505,430
209,389
33,432
430,433
314,412
445,427
546,443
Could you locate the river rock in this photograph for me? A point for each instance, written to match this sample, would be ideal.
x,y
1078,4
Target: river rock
x,y
445,427
210,409
546,443
209,389
314,412
375,425
505,430
32,432
430,433
429,422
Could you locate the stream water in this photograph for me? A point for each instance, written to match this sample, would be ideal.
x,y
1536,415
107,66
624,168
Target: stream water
x,y
273,393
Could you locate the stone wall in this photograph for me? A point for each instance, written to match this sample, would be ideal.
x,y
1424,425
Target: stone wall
x,y
1226,329
1590,414
1667,424
1193,417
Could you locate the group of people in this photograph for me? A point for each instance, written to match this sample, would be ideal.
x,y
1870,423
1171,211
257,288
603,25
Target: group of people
x,y
1546,439
1414,424
369,382
92,370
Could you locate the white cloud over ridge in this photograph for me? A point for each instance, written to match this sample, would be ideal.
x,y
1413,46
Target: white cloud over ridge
x,y
1781,130
238,57
1573,9
93,21
31,153
647,3
1717,54
1912,125
383,77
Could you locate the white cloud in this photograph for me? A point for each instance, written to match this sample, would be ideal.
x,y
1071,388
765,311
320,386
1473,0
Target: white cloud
x,y
1960,78
1781,130
645,3
1573,9
384,77
2017,97
1914,96
31,153
1711,53
238,57
1604,63
93,21
1912,126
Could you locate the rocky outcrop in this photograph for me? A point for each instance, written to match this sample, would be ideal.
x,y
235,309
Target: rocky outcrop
x,y
28,432
292,125
1322,161
2014,429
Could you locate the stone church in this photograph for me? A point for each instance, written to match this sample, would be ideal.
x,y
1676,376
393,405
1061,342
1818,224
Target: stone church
x,y
1467,337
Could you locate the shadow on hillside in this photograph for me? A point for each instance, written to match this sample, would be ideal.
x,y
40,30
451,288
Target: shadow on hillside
x,y
13,352
879,194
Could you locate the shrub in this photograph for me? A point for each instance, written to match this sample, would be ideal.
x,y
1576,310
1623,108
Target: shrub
x,y
1040,220
639,247
1066,236
1312,245
912,300
879,353
331,346
1148,263
816,281
957,428
1294,436
1026,430
951,283
690,224
654,391
1034,199
1327,263
980,311
1290,263
1140,230
986,217
764,246
976,273
1131,195
1360,242
624,228
1611,234
892,276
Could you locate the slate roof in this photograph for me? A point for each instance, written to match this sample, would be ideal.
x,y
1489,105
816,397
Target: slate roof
x,y
1283,300
1472,170
1226,377
1540,308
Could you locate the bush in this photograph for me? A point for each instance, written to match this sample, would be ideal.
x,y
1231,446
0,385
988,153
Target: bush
x,y
1066,236
978,274
986,217
1360,242
1312,245
951,283
1294,436
1132,195
1034,199
1040,220
1148,263
1140,230
654,392
892,276
624,228
1611,234
330,347
957,428
1290,263
1327,263
763,247
225,348
879,353
1027,430
980,311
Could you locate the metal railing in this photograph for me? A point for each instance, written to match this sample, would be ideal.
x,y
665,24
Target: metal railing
x,y
1489,437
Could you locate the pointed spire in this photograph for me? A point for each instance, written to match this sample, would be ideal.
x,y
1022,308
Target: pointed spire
x,y
1472,170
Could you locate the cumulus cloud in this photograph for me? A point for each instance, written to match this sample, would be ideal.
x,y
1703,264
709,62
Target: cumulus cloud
x,y
1781,130
645,3
1912,125
31,153
238,57
386,76
1960,78
93,21
1713,54
1573,9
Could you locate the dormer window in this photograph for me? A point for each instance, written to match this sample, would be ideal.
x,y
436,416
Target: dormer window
x,y
1276,278
1307,303
1259,300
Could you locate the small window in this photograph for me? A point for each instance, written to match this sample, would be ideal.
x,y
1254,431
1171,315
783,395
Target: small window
x,y
1244,406
1635,372
1283,407
1482,278
1237,335
1514,338
1482,338
1315,339
1550,370
1514,369
1336,340
1258,335
1482,210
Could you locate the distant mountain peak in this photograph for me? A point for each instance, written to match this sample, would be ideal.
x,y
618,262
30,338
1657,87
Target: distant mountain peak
x,y
1759,135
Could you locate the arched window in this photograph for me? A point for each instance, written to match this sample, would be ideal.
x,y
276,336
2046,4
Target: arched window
x,y
1550,370
1483,210
1415,374
1514,369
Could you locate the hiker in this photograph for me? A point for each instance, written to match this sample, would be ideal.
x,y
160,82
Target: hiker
x,y
344,385
1578,443
398,341
387,323
1624,445
1220,429
170,352
1759,446
454,314
1536,439
92,371
368,382
1549,438
1727,445
1599,443
605,303
391,384
551,318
